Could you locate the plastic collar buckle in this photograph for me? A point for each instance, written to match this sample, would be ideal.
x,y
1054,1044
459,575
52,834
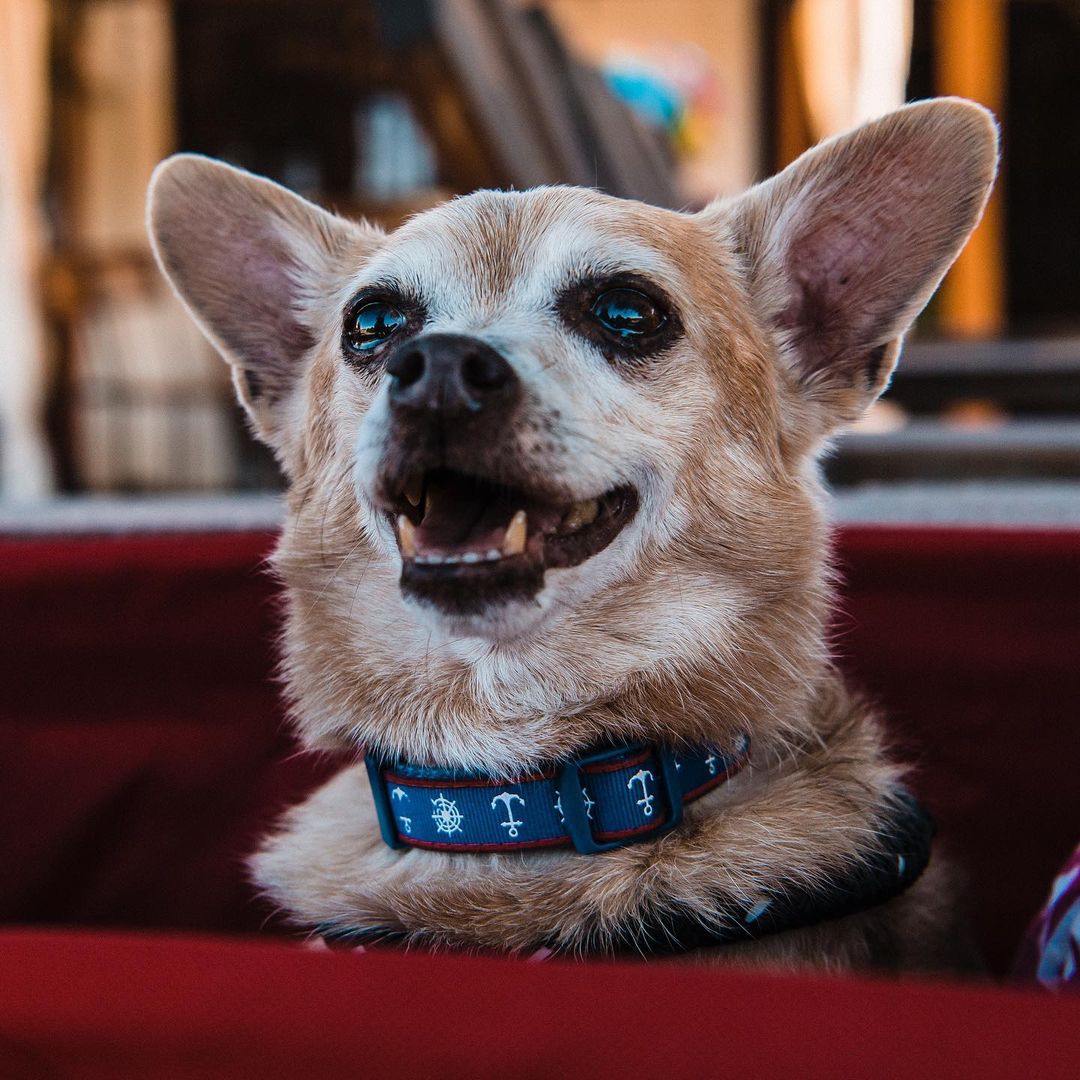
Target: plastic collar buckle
x,y
575,812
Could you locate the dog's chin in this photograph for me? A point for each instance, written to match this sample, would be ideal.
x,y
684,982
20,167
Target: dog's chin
x,y
476,555
504,622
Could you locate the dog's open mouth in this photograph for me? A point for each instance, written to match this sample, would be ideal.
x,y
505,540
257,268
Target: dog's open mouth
x,y
466,542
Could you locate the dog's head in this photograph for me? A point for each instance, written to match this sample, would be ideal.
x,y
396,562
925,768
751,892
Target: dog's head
x,y
556,439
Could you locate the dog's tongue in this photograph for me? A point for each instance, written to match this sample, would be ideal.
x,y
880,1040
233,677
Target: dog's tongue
x,y
463,515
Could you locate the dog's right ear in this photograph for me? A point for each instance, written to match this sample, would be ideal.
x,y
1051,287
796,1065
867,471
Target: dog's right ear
x,y
249,259
845,246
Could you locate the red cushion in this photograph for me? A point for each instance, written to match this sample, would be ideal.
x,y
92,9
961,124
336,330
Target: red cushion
x,y
142,743
970,640
95,1005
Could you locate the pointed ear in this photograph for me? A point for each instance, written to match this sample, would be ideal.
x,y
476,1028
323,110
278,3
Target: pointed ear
x,y
249,259
845,247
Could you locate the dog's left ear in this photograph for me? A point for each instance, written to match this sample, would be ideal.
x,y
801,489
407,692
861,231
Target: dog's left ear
x,y
250,261
845,247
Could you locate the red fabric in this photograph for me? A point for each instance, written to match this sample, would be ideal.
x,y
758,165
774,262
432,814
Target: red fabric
x,y
970,640
142,753
173,1008
142,745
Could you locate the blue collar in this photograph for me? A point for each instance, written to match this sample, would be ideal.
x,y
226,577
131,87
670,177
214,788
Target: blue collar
x,y
594,803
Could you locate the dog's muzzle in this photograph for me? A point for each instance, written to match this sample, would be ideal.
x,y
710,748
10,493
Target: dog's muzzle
x,y
476,524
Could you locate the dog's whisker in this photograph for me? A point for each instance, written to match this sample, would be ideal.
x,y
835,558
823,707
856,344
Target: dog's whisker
x,y
344,474
337,569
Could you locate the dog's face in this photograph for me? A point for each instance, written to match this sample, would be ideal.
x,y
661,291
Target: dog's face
x,y
558,440
537,378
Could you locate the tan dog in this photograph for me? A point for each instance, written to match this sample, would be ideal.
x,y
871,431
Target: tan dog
x,y
552,485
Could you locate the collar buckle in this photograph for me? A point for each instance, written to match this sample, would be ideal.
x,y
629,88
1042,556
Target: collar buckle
x,y
569,784
383,810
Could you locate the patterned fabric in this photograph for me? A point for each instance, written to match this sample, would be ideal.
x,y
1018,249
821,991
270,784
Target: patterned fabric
x,y
1050,954
622,795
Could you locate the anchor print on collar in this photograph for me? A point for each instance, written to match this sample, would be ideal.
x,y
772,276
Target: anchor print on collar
x,y
397,795
507,799
648,798
589,801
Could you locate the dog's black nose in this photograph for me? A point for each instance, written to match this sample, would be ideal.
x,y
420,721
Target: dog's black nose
x,y
451,375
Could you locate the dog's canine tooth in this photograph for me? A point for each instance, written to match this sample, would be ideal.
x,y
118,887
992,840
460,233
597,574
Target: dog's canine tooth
x,y
514,540
407,535
414,490
581,514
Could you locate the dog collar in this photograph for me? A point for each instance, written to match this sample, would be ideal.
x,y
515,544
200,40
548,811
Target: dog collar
x,y
603,800
894,859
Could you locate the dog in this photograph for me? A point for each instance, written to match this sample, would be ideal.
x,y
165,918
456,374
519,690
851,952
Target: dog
x,y
555,556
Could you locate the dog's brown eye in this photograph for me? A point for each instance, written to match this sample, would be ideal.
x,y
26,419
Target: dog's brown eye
x,y
371,323
627,313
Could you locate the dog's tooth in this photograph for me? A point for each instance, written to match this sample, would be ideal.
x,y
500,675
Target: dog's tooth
x,y
407,534
471,557
451,560
492,554
414,490
514,540
580,514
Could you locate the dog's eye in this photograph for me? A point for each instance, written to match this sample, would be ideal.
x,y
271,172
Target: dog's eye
x,y
627,313
371,323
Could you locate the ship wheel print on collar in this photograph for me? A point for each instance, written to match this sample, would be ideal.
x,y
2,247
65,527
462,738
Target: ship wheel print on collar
x,y
447,816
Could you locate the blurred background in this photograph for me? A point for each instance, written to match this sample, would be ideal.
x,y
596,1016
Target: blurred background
x,y
383,108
